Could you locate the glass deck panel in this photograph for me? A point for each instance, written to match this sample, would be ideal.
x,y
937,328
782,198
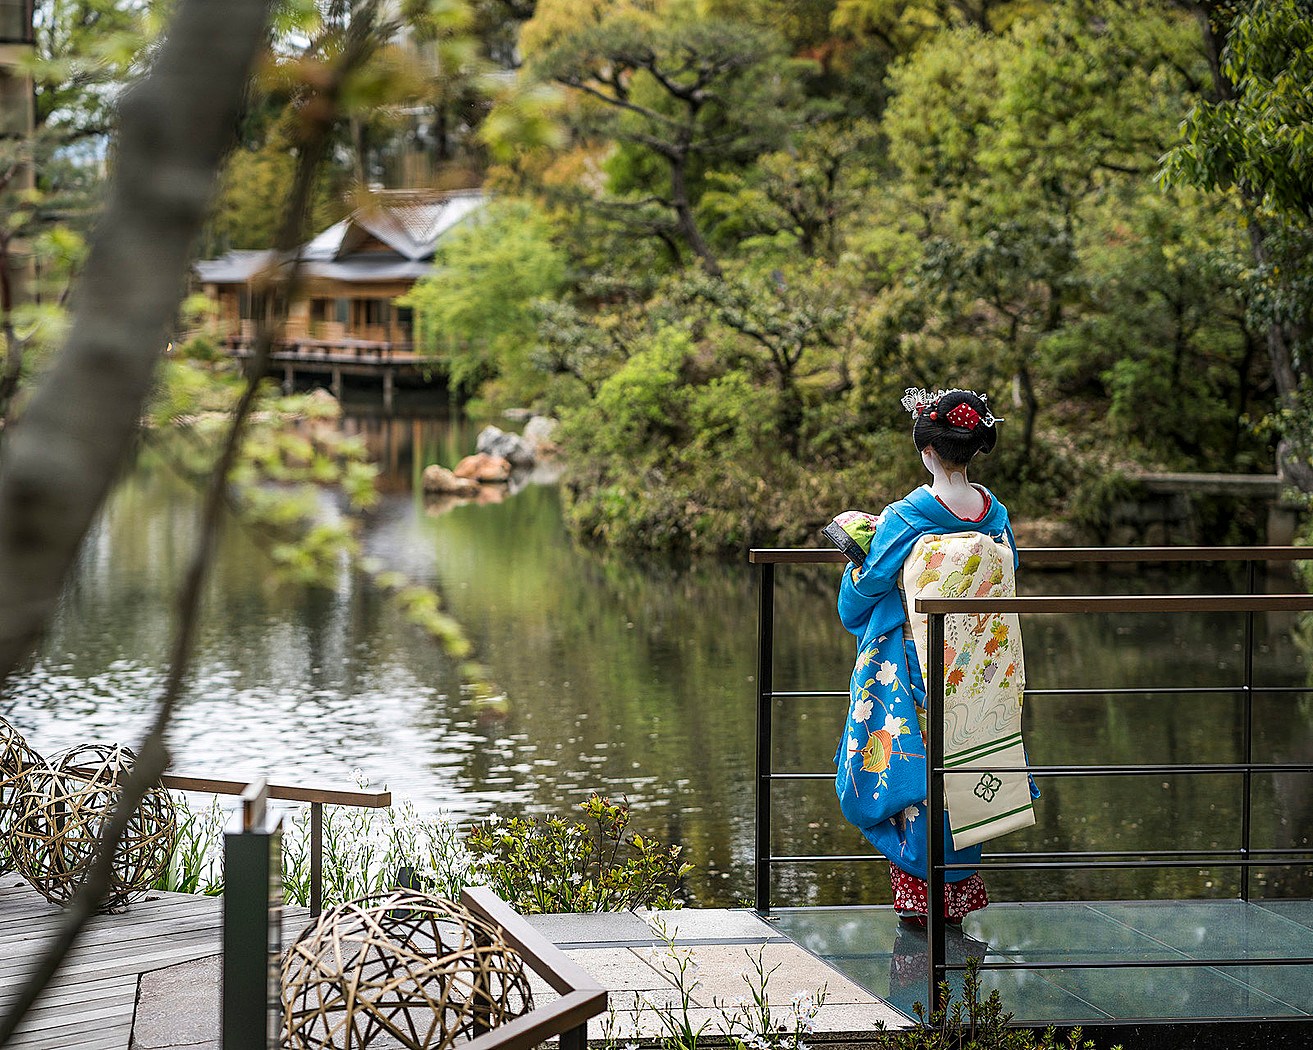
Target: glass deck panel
x,y
869,945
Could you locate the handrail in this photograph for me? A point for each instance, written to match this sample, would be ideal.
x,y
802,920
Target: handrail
x,y
1249,604
1121,603
1061,555
317,797
581,997
285,792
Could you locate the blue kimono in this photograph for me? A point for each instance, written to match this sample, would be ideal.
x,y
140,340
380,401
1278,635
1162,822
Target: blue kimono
x,y
881,757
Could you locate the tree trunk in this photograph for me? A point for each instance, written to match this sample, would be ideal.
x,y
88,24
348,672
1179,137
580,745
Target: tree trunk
x,y
59,460
1030,405
684,214
13,364
1292,463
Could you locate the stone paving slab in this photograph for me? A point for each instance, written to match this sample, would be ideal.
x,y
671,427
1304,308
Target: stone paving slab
x,y
722,954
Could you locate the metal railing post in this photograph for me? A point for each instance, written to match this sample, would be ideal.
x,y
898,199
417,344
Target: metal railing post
x,y
935,947
252,924
1247,735
316,858
765,709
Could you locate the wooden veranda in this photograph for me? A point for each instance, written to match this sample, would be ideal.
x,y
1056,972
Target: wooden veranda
x,y
92,1002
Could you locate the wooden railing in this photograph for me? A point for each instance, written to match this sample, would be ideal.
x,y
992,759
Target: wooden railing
x,y
318,799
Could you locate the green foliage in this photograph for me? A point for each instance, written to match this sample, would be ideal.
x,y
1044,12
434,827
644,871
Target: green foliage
x,y
971,1023
477,309
1254,141
555,865
363,851
254,185
195,866
762,254
1259,138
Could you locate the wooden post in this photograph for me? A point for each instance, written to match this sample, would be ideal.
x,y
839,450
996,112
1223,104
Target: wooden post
x,y
289,379
337,383
387,390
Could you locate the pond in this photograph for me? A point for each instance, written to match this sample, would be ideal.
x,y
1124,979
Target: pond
x,y
634,677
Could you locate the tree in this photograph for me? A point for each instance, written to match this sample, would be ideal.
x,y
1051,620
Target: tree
x,y
67,447
676,95
1007,145
807,192
476,308
84,54
59,461
1252,141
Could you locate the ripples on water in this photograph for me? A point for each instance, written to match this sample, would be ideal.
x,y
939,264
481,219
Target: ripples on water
x,y
635,679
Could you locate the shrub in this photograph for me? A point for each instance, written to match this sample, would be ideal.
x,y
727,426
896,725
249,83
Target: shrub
x,y
554,865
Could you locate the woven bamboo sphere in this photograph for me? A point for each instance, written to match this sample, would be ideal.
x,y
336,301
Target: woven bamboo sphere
x,y
61,812
401,969
16,758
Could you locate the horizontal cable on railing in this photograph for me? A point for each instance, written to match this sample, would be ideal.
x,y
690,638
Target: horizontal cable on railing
x,y
1213,769
1115,964
1148,690
1089,865
1199,855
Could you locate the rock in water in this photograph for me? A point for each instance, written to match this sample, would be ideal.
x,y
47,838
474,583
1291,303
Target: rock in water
x,y
540,433
483,467
442,481
493,441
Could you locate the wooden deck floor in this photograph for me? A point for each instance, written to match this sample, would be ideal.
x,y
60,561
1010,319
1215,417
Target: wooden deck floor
x,y
91,1004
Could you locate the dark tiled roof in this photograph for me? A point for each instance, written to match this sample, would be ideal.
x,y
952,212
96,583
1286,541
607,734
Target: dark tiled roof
x,y
411,223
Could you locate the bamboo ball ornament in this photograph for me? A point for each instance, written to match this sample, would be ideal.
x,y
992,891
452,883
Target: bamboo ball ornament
x,y
63,809
403,969
16,758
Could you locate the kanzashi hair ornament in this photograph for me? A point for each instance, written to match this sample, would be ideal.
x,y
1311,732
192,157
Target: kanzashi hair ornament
x,y
964,416
916,400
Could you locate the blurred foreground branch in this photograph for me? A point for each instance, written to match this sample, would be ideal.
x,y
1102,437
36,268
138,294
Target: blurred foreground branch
x,y
53,467
59,460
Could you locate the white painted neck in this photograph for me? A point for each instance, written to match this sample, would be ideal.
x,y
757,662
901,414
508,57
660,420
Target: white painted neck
x,y
952,487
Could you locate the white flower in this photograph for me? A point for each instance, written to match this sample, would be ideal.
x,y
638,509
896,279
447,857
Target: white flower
x,y
894,726
862,710
887,673
882,638
911,813
853,746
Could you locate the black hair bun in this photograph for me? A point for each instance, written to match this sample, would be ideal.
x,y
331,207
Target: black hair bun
x,y
957,425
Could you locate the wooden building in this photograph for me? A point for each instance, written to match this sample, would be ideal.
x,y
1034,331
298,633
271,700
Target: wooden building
x,y
352,273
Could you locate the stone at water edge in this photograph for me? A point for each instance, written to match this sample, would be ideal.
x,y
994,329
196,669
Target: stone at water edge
x,y
483,467
442,481
540,433
494,441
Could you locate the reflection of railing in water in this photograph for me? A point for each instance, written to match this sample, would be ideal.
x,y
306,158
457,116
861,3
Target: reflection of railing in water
x,y
1244,857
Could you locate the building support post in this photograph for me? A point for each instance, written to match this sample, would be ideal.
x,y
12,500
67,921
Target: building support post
x,y
387,390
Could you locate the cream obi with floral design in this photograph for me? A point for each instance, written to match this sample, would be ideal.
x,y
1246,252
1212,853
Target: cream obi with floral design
x,y
984,678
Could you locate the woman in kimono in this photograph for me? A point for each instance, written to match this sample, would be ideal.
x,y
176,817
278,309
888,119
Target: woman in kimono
x,y
881,757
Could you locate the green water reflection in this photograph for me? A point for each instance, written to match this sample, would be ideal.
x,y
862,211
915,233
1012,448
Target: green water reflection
x,y
636,678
